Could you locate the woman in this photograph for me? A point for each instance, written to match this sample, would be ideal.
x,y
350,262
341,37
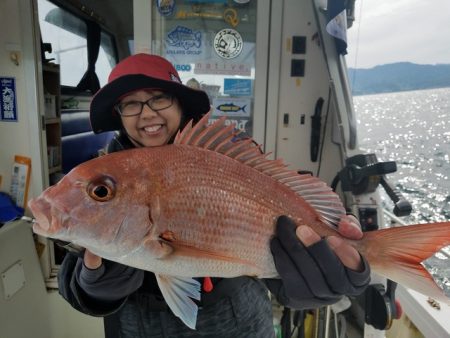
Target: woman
x,y
147,102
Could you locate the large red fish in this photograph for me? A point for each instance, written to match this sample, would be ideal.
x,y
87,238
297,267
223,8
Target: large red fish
x,y
206,206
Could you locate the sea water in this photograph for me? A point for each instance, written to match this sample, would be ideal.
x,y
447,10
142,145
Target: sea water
x,y
413,129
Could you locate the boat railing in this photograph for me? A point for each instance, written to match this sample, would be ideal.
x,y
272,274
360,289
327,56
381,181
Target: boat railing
x,y
392,218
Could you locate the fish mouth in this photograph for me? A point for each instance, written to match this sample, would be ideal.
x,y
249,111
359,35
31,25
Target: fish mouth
x,y
47,221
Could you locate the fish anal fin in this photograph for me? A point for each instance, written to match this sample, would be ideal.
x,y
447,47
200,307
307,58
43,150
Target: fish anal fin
x,y
178,293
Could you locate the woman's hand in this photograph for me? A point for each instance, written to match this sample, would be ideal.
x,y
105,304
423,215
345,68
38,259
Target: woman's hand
x,y
91,261
106,280
316,271
348,227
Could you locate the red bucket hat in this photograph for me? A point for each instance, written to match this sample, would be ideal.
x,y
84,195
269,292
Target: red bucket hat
x,y
137,72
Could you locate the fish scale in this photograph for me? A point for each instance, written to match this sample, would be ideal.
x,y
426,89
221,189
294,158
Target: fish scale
x,y
232,206
206,206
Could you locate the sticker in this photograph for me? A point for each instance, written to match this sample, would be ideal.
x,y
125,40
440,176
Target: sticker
x,y
232,106
230,16
222,68
204,15
183,68
243,124
8,102
185,38
165,7
238,87
193,83
212,90
228,43
205,59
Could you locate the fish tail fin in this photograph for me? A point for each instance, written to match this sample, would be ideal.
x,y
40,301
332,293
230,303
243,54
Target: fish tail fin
x,y
397,253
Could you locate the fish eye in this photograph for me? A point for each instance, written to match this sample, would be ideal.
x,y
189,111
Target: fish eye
x,y
102,189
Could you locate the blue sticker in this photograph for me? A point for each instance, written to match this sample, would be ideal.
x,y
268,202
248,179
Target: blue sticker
x,y
237,87
183,68
184,37
8,105
166,7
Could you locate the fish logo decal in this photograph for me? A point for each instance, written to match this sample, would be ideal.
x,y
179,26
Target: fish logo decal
x,y
230,108
184,37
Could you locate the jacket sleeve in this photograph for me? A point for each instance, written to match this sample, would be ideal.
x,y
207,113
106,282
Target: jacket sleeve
x,y
72,292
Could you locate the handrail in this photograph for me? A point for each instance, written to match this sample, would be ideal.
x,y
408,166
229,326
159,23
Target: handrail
x,y
394,218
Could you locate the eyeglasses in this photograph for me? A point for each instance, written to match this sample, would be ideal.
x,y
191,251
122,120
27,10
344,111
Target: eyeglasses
x,y
156,103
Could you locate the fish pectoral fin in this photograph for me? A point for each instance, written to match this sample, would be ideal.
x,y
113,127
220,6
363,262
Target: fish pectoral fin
x,y
157,248
178,293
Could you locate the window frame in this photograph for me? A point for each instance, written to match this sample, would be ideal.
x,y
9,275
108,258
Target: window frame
x,y
79,14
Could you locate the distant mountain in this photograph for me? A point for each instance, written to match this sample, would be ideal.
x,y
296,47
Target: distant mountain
x,y
395,77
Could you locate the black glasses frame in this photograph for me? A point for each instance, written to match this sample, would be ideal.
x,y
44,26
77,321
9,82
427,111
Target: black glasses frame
x,y
119,106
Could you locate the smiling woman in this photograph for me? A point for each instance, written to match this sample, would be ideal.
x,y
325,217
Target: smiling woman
x,y
150,117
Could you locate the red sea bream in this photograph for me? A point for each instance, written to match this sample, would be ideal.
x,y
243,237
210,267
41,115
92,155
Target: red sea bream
x,y
206,206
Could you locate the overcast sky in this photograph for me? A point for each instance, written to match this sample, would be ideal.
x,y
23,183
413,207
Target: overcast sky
x,y
399,30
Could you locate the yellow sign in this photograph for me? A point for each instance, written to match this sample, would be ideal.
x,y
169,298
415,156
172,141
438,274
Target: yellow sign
x,y
230,16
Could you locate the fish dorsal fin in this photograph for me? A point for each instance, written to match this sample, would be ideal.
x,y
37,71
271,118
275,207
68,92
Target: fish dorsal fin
x,y
225,140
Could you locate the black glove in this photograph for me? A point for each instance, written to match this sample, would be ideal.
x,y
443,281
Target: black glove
x,y
310,276
110,282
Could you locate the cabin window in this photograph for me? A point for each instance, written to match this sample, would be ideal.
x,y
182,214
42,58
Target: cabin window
x,y
67,35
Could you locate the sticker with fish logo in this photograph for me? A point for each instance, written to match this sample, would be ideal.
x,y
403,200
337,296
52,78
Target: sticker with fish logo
x,y
228,43
184,37
166,7
232,106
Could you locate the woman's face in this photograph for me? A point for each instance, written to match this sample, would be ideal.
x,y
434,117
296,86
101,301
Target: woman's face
x,y
151,128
